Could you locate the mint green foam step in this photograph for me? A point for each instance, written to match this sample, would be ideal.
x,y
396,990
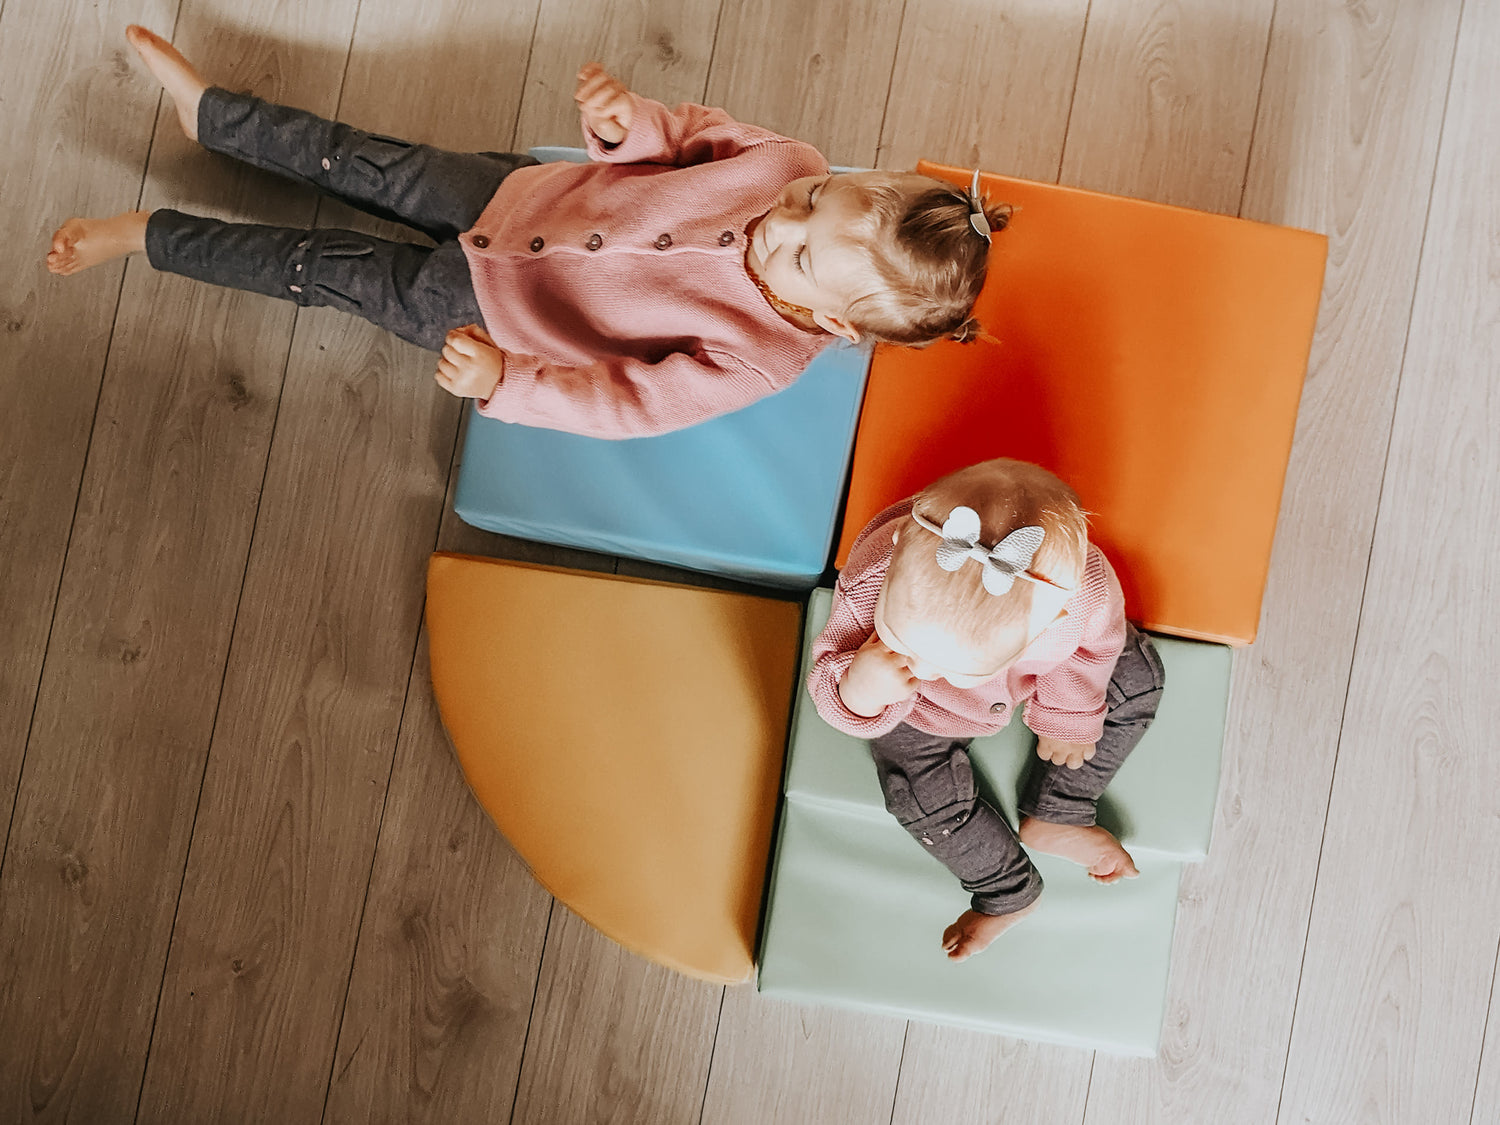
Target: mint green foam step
x,y
1162,800
857,911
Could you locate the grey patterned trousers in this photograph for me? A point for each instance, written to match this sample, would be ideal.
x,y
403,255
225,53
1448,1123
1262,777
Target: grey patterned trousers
x,y
418,292
928,781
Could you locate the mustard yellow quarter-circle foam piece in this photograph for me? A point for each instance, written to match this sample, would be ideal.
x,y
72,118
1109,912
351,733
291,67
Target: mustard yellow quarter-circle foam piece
x,y
627,738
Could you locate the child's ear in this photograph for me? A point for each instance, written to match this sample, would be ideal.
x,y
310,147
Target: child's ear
x,y
837,326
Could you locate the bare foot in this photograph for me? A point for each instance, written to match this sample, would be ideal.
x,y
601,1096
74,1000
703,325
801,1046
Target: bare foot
x,y
973,931
1093,847
81,243
183,84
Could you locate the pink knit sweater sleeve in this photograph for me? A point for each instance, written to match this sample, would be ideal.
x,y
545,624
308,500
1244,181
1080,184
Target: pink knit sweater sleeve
x,y
620,397
689,134
1069,703
851,622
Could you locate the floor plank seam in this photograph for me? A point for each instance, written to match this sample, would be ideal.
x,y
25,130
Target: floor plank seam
x,y
900,1065
515,123
890,85
1083,35
1374,536
536,989
1484,1035
713,49
708,1072
1260,94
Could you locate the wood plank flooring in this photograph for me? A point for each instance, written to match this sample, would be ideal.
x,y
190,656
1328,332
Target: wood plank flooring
x,y
242,879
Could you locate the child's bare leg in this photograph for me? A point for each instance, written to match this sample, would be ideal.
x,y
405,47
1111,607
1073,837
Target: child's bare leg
x,y
182,82
1089,845
81,243
973,932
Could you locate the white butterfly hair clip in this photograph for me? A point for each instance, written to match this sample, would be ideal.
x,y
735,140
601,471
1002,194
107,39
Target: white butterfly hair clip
x,y
1010,559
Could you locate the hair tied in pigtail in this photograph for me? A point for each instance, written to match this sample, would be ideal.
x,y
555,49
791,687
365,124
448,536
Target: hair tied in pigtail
x,y
967,332
977,218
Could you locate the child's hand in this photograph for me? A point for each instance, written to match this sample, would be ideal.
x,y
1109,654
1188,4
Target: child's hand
x,y
471,365
877,678
604,102
1070,754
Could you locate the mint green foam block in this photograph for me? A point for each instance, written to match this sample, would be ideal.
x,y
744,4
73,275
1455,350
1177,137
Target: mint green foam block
x,y
856,908
856,916
1161,801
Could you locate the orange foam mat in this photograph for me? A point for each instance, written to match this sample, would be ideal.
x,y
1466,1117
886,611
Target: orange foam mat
x,y
627,738
1152,357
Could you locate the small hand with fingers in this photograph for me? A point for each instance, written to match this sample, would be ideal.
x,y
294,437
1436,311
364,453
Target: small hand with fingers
x,y
876,678
471,365
604,102
1070,754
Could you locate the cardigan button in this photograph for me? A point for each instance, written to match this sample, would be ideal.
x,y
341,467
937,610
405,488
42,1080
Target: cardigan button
x,y
662,241
595,241
537,243
997,708
726,238
481,241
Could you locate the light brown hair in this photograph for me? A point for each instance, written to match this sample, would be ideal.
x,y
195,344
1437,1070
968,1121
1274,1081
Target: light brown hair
x,y
1006,495
930,260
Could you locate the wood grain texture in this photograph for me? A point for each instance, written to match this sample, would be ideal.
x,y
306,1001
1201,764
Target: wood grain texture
x,y
303,750
1166,98
135,661
659,48
449,949
303,747
78,120
1401,948
953,1075
1345,141
777,1063
613,1038
817,72
985,85
1346,135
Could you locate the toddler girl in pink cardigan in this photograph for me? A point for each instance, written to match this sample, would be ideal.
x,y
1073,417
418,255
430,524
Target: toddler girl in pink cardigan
x,y
694,266
978,595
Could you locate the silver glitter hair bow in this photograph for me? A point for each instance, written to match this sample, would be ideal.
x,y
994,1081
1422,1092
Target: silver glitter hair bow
x,y
977,220
1010,559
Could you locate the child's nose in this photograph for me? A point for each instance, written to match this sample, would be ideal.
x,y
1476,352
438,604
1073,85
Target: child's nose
x,y
781,226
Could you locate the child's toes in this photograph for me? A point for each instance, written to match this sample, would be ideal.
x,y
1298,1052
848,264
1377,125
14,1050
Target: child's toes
x,y
1113,868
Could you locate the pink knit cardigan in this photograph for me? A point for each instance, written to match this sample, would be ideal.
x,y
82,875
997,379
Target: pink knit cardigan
x,y
1061,676
618,288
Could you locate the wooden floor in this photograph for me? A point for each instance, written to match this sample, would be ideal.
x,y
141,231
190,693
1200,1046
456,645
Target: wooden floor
x,y
242,879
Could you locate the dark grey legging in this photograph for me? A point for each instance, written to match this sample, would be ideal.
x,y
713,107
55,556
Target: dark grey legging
x,y
928,782
417,292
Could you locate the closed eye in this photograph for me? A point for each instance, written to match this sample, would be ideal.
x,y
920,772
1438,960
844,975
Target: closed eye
x,y
797,258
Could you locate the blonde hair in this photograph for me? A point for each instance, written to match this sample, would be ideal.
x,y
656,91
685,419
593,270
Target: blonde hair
x,y
1006,495
929,259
